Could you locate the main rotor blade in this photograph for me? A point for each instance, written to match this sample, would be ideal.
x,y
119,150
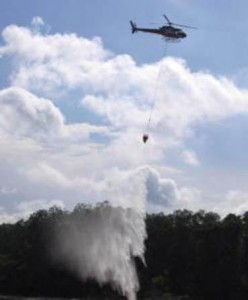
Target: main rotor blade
x,y
167,19
186,26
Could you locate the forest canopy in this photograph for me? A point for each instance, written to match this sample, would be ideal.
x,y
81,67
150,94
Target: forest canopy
x,y
192,255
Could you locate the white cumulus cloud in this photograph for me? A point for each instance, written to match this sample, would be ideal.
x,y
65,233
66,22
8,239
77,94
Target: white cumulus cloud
x,y
190,158
41,149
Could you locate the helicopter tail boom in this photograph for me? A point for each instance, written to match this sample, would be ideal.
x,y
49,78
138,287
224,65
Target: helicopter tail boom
x,y
133,27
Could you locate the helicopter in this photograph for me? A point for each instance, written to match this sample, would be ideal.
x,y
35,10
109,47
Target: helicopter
x,y
170,32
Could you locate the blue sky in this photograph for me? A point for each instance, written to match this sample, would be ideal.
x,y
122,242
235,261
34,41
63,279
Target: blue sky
x,y
76,92
219,45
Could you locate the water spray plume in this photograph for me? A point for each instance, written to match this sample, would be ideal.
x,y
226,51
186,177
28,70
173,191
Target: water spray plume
x,y
101,243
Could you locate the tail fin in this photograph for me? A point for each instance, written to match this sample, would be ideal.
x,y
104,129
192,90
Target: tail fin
x,y
133,27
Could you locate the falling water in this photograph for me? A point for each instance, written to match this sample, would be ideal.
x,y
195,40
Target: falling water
x,y
100,243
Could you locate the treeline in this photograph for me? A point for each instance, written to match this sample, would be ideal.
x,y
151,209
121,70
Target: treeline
x,y
194,255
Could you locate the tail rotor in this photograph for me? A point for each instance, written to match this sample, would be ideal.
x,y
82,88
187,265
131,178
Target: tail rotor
x,y
133,27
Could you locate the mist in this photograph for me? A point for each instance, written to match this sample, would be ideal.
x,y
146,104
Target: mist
x,y
101,243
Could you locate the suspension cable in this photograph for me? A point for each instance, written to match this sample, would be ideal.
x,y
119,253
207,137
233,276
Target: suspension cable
x,y
154,99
